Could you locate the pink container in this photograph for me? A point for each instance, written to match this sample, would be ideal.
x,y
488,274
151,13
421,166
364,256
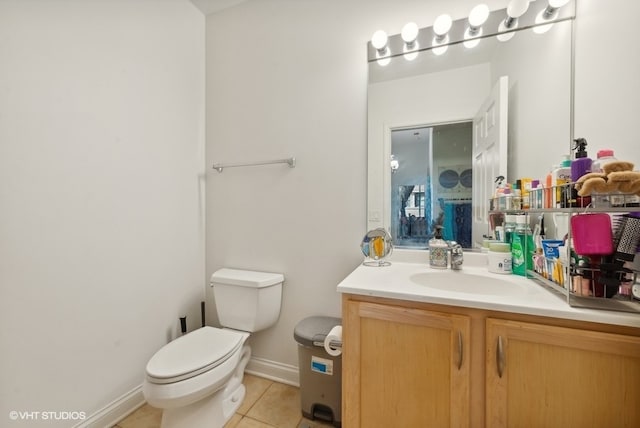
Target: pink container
x,y
592,234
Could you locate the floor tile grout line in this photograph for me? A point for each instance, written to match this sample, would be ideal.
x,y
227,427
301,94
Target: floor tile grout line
x,y
258,399
258,420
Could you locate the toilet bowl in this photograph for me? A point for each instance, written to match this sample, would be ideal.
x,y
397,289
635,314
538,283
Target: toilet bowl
x,y
197,378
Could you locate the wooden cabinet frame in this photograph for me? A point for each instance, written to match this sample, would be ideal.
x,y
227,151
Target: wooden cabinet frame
x,y
483,402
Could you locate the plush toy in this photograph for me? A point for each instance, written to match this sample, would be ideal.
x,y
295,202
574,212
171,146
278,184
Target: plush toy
x,y
618,176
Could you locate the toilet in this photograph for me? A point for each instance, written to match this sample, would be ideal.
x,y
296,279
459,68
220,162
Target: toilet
x,y
197,379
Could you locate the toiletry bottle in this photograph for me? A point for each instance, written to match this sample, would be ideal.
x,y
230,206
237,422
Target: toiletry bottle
x,y
562,183
580,166
525,185
548,189
499,192
499,258
603,200
522,247
509,227
516,198
438,250
535,195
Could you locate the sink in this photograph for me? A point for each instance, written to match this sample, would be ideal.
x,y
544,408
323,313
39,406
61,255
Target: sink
x,y
470,283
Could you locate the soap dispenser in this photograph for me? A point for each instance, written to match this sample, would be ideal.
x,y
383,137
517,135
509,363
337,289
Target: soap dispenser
x,y
580,166
438,250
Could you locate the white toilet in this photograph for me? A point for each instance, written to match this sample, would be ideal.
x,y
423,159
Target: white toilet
x,y
197,378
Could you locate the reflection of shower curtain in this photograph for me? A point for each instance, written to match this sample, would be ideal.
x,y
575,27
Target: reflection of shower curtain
x,y
457,223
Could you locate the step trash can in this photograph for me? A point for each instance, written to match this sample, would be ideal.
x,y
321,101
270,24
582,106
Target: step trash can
x,y
320,373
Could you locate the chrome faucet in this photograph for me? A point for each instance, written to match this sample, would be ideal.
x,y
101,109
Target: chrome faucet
x,y
457,256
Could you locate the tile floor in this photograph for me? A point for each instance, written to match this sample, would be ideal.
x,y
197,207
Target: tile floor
x,y
268,404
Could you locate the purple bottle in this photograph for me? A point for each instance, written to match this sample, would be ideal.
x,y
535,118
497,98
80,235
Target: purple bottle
x,y
580,166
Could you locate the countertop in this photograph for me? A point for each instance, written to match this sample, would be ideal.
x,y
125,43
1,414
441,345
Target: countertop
x,y
408,278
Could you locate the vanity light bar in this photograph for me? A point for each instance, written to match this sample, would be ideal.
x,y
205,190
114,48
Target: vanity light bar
x,y
395,46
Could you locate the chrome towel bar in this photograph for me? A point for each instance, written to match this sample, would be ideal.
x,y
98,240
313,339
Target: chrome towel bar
x,y
290,161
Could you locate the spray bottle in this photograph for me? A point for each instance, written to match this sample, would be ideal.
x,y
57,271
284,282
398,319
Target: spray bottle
x,y
580,166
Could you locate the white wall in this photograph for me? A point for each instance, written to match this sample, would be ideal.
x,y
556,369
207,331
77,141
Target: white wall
x,y
289,78
278,87
607,83
101,194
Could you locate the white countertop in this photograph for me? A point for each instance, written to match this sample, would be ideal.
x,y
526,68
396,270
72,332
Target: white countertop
x,y
408,278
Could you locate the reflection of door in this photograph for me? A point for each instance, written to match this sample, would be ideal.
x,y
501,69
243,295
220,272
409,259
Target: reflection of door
x,y
489,154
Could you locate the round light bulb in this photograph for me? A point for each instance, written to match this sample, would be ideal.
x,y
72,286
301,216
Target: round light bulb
x,y
478,15
517,8
541,27
383,61
557,3
442,25
379,40
411,53
410,32
440,47
472,40
503,36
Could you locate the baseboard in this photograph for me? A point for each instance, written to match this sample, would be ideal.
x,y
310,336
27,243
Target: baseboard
x,y
115,411
279,372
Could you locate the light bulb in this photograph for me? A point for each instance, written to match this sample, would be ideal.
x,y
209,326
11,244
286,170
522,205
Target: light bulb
x,y
411,52
442,25
410,32
472,38
478,15
383,61
440,47
504,36
379,40
541,27
557,3
517,8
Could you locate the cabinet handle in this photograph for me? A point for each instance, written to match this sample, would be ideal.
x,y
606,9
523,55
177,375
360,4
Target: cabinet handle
x,y
500,357
460,350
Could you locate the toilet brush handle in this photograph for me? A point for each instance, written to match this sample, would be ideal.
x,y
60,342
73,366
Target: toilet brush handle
x,y
183,324
202,313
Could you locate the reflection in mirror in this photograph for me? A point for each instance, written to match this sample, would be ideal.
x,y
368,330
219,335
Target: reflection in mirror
x,y
431,91
419,203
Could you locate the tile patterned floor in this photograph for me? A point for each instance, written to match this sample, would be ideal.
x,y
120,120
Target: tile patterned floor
x,y
268,404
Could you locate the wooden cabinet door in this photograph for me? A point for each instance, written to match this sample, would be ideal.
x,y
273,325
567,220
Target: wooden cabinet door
x,y
404,367
545,376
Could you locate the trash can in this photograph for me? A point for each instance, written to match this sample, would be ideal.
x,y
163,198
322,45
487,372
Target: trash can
x,y
320,373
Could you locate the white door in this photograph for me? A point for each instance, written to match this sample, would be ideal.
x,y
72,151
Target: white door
x,y
489,154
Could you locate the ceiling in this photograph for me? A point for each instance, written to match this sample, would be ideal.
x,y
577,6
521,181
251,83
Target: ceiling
x,y
212,6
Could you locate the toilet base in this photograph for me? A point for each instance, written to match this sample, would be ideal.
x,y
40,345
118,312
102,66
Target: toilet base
x,y
212,411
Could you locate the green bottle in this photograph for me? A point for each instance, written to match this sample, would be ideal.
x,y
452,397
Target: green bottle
x,y
522,247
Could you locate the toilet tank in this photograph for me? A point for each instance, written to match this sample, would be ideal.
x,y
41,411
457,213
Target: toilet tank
x,y
247,300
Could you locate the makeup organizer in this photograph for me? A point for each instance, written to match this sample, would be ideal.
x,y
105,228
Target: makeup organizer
x,y
593,265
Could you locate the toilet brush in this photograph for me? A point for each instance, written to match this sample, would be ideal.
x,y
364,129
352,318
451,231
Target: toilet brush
x,y
183,325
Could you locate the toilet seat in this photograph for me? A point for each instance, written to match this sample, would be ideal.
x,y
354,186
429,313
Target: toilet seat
x,y
193,354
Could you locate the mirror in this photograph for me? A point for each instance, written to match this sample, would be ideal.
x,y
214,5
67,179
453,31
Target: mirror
x,y
433,93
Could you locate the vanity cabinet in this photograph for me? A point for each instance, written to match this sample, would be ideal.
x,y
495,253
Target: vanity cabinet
x,y
404,367
547,376
413,364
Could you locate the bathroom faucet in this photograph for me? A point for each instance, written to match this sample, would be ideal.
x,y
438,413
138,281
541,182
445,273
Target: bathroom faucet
x,y
456,255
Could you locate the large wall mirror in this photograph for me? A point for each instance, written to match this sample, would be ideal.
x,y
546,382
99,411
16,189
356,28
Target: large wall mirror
x,y
422,138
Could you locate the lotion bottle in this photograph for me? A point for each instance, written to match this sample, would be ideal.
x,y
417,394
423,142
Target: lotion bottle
x,y
561,178
438,250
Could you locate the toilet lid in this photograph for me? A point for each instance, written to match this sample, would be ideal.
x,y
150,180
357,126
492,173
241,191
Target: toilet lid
x,y
197,352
